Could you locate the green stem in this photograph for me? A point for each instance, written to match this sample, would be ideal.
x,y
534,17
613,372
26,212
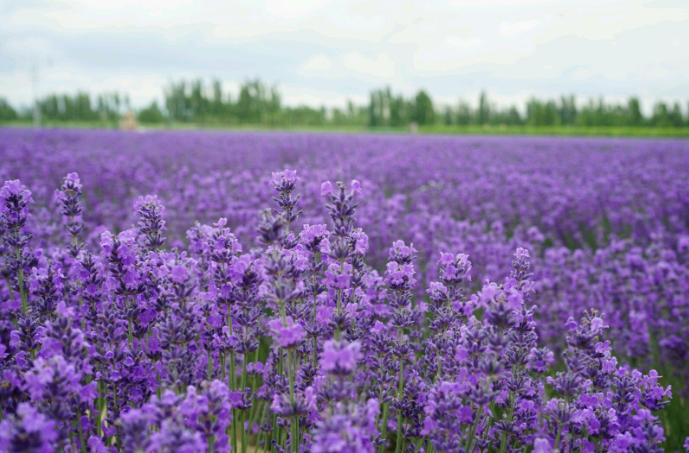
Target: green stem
x,y
211,441
315,340
222,365
339,303
294,422
384,426
400,392
9,287
294,426
252,410
242,431
269,437
256,411
130,334
557,438
232,385
115,407
315,315
82,441
264,412
470,448
513,397
243,378
25,301
101,408
244,413
503,444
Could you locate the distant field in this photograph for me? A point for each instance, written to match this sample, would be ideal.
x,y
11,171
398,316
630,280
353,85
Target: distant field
x,y
566,131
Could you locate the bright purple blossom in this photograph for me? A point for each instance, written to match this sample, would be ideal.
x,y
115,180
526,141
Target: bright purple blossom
x,y
340,358
287,333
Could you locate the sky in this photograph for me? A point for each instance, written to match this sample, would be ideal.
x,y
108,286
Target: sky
x,y
323,52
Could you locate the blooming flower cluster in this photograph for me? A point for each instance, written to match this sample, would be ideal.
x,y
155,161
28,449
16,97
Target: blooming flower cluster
x,y
122,342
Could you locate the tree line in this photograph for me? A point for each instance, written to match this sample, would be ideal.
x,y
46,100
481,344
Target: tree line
x,y
258,104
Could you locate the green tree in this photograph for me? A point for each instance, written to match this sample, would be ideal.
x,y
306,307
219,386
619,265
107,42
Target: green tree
x,y
464,115
7,113
634,109
675,115
423,113
448,116
152,114
661,115
483,114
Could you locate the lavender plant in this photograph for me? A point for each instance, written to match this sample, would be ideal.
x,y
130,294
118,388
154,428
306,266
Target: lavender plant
x,y
295,342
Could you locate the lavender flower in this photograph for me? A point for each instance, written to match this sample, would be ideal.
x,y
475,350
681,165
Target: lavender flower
x,y
284,183
287,334
340,358
151,221
71,210
347,430
28,431
14,213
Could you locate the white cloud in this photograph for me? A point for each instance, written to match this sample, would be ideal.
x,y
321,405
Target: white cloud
x,y
316,64
514,28
446,59
382,66
295,8
463,43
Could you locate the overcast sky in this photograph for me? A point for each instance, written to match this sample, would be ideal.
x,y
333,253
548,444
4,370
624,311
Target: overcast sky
x,y
326,51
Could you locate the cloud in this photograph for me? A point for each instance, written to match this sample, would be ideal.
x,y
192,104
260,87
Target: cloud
x,y
295,8
514,28
316,64
463,43
382,66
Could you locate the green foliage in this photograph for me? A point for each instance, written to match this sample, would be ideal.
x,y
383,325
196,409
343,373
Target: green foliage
x,y
554,113
422,109
388,110
7,113
258,105
152,114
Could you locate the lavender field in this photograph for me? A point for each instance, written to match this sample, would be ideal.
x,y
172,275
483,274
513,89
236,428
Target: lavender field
x,y
191,292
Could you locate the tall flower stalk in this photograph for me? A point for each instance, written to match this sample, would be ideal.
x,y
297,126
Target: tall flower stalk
x,y
14,213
